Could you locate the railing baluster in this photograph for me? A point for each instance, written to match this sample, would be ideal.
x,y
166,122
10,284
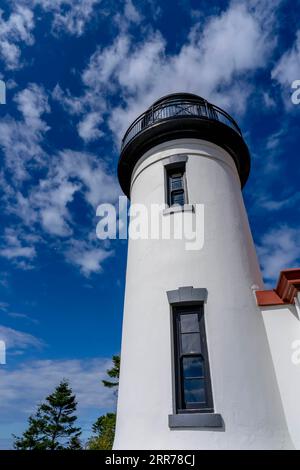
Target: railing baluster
x,y
199,108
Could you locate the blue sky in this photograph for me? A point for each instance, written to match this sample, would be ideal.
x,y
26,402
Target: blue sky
x,y
77,73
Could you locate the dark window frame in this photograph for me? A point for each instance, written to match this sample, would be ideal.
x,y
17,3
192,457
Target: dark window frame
x,y
208,406
171,169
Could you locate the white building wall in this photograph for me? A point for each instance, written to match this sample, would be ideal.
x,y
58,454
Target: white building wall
x,y
244,385
283,329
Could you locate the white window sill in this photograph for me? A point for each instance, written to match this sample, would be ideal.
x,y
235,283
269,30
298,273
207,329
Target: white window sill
x,y
196,420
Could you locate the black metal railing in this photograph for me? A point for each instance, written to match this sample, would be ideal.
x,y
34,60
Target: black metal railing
x,y
178,108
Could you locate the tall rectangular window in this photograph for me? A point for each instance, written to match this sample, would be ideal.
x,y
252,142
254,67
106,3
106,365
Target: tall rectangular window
x,y
192,375
176,191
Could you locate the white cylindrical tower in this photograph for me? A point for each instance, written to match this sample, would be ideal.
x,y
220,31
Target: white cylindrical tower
x,y
196,370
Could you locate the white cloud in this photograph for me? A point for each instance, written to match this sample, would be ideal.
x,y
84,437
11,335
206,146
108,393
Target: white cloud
x,y
47,209
32,102
70,103
17,252
277,204
287,68
4,279
15,339
15,247
21,139
88,127
22,388
217,62
22,316
105,63
69,173
69,16
279,249
90,110
5,307
45,205
268,100
129,15
14,31
98,184
88,255
50,201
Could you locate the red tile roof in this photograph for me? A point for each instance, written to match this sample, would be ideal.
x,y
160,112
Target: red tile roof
x,y
287,288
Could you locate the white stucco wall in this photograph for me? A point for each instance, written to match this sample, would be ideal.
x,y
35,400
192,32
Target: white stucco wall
x,y
283,329
245,391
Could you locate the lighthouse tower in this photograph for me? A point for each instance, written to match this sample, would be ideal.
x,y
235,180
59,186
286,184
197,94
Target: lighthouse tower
x,y
196,370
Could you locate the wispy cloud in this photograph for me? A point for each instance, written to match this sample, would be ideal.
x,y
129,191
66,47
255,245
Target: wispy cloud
x,y
17,247
277,204
22,316
21,139
43,205
287,69
33,380
23,387
88,128
88,255
69,172
14,32
68,16
4,306
129,15
217,61
279,249
4,279
18,340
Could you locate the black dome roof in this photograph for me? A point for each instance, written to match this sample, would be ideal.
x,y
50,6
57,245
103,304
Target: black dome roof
x,y
177,96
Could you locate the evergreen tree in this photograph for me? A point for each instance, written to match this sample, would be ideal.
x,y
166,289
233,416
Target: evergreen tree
x,y
114,373
33,438
104,428
74,443
53,425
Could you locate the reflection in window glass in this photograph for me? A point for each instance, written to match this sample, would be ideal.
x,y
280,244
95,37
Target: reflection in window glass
x,y
194,391
177,198
176,182
190,343
192,367
189,323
